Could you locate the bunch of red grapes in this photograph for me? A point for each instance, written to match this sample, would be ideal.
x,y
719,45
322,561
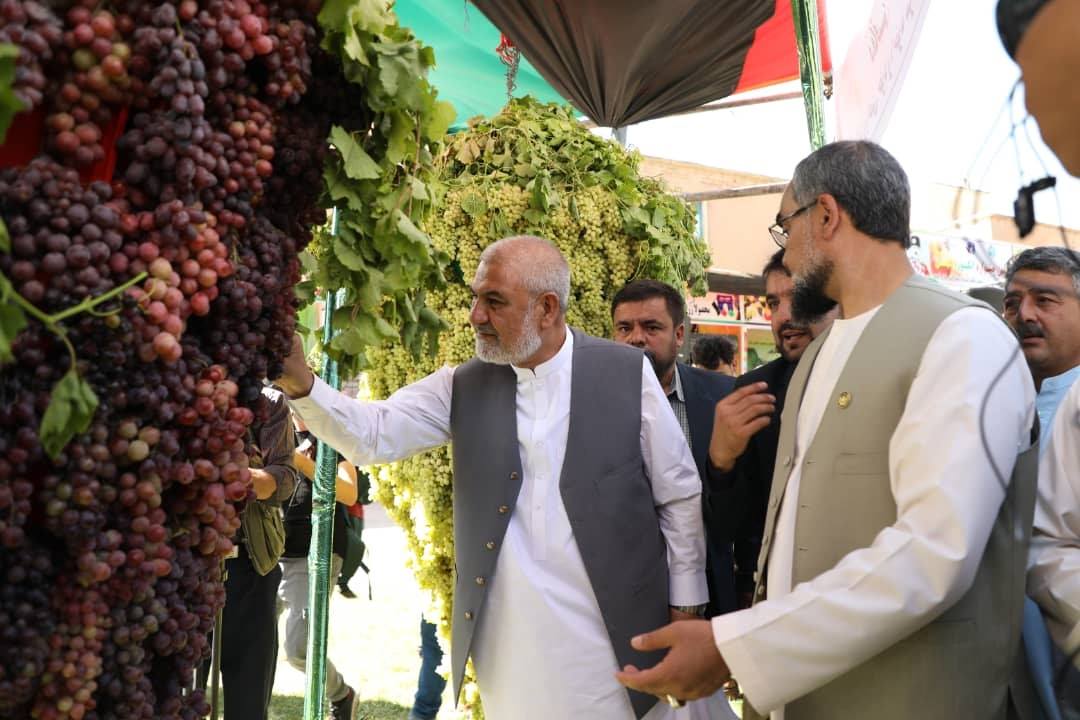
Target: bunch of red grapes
x,y
111,552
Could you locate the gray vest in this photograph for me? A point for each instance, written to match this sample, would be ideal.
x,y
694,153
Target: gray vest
x,y
956,667
607,496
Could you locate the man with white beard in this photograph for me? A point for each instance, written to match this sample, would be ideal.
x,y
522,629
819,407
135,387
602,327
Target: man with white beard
x,y
577,520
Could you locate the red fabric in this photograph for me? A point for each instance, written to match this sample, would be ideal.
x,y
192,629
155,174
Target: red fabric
x,y
26,136
23,140
773,57
356,510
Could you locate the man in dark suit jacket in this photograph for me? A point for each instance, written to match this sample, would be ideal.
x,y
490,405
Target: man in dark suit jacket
x,y
649,314
746,430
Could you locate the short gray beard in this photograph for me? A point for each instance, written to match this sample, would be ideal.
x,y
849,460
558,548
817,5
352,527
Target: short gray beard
x,y
516,353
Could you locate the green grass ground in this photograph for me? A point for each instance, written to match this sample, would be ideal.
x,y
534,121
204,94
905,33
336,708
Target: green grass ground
x,y
374,643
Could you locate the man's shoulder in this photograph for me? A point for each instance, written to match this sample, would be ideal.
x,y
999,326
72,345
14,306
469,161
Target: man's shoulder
x,y
763,373
591,343
714,381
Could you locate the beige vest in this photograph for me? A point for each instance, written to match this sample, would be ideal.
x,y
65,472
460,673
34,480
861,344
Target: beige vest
x,y
957,667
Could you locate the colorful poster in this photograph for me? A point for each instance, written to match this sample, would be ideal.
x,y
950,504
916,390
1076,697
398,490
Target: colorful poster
x,y
755,309
966,261
714,306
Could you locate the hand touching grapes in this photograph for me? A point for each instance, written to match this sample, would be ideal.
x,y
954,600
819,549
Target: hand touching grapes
x,y
296,377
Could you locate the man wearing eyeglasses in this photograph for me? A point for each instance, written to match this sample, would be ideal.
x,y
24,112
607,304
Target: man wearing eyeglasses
x,y
891,573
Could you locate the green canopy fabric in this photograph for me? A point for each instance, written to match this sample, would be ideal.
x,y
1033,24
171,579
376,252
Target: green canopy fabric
x,y
468,72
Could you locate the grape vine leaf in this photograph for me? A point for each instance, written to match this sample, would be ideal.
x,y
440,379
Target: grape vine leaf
x,y
357,163
439,121
12,320
10,105
5,239
69,413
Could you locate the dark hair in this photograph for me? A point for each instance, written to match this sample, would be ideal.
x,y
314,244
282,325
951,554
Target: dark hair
x,y
1058,260
639,290
867,182
775,264
711,350
1013,18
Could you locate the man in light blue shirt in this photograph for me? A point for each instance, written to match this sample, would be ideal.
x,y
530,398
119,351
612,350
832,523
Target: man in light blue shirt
x,y
1042,303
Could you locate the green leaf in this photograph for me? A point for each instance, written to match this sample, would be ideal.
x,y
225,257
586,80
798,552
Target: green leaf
x,y
69,413
369,294
349,340
419,189
10,106
385,329
357,163
12,321
474,204
400,137
348,257
406,227
5,239
340,188
439,121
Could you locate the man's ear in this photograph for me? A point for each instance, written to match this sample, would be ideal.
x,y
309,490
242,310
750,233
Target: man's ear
x,y
830,215
549,303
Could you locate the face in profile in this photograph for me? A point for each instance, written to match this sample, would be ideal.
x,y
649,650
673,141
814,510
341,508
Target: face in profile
x,y
504,315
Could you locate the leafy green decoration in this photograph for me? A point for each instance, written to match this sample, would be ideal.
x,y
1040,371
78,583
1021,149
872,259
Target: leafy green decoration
x,y
381,181
70,410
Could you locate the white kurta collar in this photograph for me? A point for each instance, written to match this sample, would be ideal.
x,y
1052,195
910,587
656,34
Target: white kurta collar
x,y
560,361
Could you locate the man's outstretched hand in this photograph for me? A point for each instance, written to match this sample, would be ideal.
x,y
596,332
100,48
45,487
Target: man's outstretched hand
x,y
692,669
296,377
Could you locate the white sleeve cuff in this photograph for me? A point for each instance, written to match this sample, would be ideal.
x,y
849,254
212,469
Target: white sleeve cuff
x,y
688,589
321,398
727,633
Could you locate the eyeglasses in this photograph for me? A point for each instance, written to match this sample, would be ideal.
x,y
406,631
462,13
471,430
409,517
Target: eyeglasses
x,y
779,234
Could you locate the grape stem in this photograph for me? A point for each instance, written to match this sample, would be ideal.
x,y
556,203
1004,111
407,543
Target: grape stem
x,y
52,322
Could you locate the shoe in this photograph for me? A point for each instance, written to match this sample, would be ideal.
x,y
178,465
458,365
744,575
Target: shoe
x,y
345,708
346,592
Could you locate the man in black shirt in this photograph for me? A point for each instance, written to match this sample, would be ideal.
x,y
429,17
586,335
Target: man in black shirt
x,y
294,565
743,446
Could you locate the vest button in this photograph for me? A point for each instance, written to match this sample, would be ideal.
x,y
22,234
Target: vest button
x,y
787,460
513,476
503,509
480,580
468,615
490,544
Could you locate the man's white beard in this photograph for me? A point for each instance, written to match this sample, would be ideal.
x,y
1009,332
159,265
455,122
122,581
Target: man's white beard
x,y
496,353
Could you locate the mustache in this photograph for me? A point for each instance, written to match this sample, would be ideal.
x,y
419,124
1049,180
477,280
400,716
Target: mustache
x,y
486,329
1029,330
790,326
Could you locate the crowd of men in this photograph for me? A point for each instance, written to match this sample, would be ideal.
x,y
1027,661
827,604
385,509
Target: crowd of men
x,y
850,530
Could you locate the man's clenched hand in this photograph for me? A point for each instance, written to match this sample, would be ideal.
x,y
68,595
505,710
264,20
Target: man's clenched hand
x,y
296,377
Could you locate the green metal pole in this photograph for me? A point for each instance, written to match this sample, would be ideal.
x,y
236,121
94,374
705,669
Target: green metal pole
x,y
323,497
808,40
